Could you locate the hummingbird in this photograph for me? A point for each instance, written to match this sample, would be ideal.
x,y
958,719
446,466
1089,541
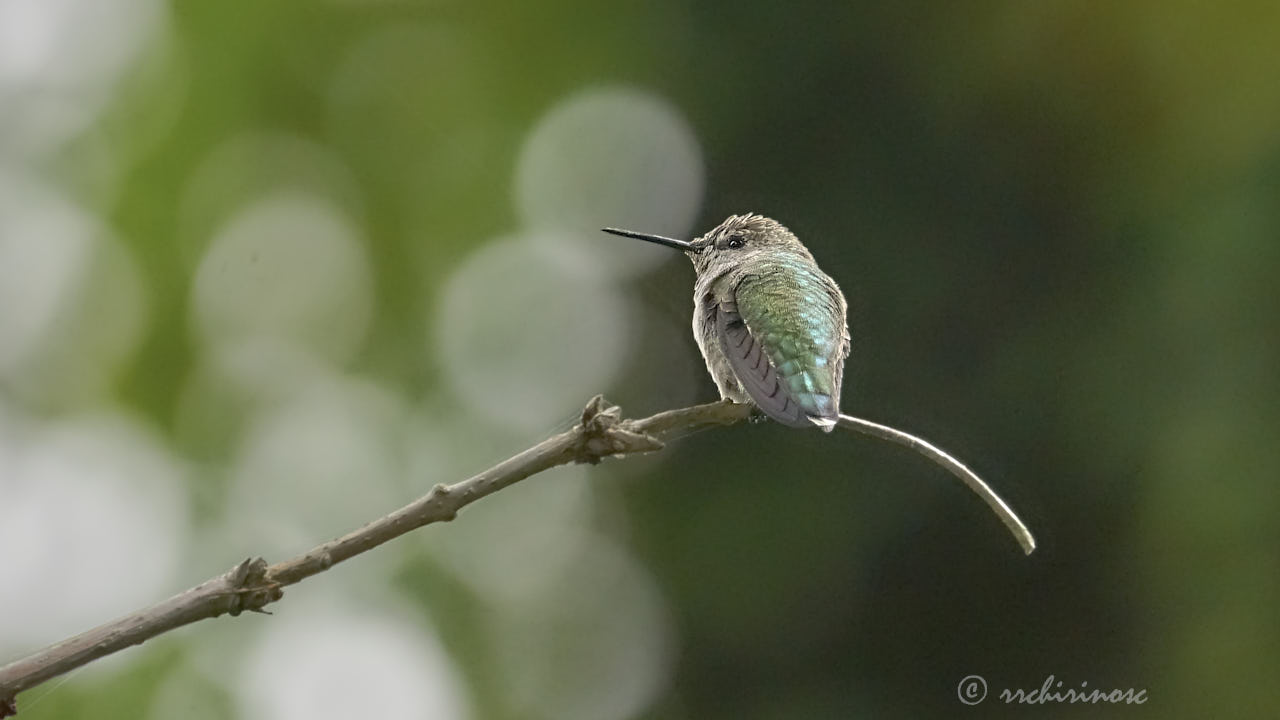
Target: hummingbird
x,y
773,331
770,324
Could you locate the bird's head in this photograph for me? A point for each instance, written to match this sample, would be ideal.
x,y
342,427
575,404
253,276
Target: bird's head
x,y
732,242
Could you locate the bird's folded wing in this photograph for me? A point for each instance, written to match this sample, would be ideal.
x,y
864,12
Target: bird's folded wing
x,y
755,371
786,340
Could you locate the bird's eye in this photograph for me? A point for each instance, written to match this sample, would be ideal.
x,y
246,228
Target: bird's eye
x,y
736,241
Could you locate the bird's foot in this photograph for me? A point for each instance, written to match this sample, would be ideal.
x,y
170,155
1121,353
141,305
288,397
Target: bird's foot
x,y
756,414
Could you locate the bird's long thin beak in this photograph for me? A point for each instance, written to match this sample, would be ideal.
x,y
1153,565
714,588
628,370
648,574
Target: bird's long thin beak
x,y
684,245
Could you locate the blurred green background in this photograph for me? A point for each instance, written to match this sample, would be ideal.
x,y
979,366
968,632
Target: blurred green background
x,y
268,270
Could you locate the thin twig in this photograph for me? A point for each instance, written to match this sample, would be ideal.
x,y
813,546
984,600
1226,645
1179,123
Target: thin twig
x,y
253,584
957,468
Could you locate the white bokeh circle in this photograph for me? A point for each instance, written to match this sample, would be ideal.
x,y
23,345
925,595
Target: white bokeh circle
x,y
522,343
596,645
94,508
235,380
252,165
72,303
316,464
610,156
512,547
328,661
291,266
60,61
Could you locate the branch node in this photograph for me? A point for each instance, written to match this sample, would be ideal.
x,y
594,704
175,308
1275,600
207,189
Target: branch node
x,y
8,707
603,433
438,498
250,588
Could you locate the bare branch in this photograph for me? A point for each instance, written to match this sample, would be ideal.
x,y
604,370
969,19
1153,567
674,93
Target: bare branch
x,y
253,584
